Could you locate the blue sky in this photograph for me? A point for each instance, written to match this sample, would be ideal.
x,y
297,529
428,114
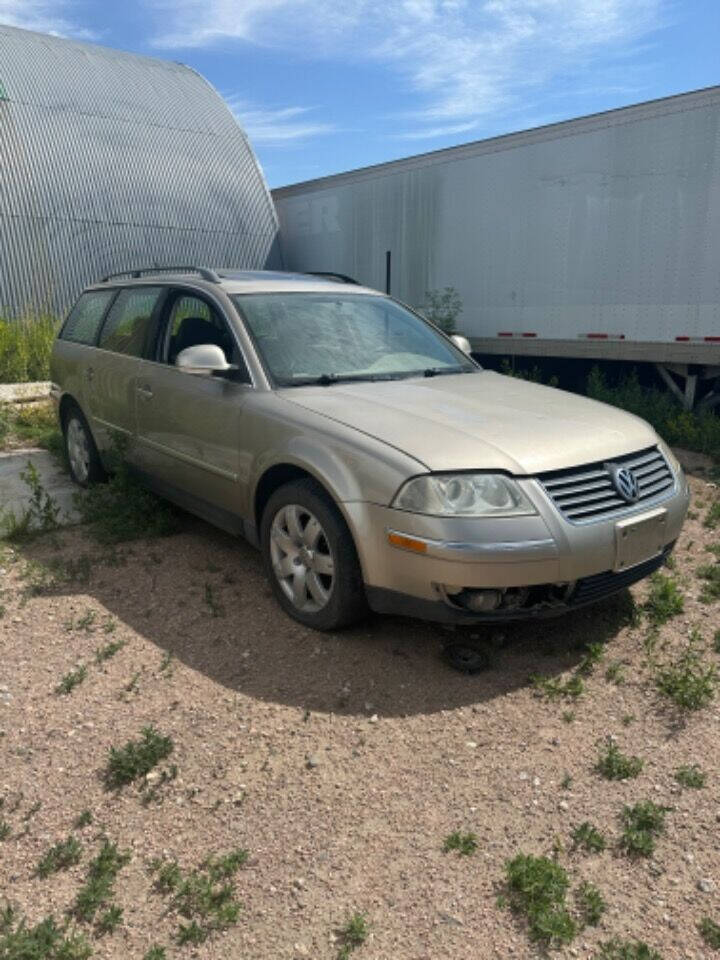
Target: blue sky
x,y
329,85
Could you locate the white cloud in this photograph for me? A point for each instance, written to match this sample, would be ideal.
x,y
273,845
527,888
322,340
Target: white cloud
x,y
280,126
45,16
466,59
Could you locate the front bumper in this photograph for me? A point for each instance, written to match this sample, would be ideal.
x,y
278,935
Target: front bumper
x,y
518,556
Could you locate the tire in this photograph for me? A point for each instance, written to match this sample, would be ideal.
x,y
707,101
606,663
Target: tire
x,y
310,558
82,454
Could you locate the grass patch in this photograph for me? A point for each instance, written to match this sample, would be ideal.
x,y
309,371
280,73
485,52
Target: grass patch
x,y
691,777
537,887
5,829
25,347
587,837
465,843
615,673
591,904
687,681
155,952
594,654
353,934
664,601
31,424
83,819
712,517
642,824
617,949
612,764
40,516
121,510
71,680
109,920
204,897
710,932
44,941
137,757
61,856
99,885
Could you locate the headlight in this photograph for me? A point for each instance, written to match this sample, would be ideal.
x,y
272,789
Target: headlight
x,y
463,495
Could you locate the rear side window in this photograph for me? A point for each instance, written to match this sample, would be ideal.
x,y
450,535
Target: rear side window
x,y
126,328
86,316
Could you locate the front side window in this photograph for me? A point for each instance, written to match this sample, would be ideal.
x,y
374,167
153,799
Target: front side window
x,y
309,337
128,323
86,316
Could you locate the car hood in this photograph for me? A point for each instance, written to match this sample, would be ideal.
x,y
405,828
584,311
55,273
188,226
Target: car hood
x,y
484,420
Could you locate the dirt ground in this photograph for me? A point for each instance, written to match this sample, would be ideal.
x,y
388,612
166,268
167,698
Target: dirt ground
x,y
341,762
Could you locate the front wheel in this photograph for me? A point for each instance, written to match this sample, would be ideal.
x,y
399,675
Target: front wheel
x,y
310,558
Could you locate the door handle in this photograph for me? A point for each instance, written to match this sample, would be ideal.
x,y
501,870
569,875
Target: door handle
x,y
145,392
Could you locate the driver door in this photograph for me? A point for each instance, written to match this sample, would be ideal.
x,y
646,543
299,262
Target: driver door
x,y
190,427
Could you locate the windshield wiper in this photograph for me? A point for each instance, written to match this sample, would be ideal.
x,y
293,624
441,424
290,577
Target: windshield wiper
x,y
442,371
328,379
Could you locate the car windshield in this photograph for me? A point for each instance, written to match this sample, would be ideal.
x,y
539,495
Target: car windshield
x,y
326,338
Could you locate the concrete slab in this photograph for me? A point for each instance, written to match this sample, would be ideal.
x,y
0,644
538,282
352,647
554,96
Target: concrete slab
x,y
14,493
23,392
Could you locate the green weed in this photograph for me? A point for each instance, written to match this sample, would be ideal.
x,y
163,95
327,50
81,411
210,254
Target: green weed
x,y
465,843
155,953
594,654
136,758
642,824
691,777
353,934
710,932
612,764
552,688
712,517
688,682
616,949
710,573
109,920
591,903
83,819
25,346
537,888
615,673
71,680
664,601
99,885
44,941
587,837
61,856
108,650
5,829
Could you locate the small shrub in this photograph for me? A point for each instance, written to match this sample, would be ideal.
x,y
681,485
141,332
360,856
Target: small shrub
x,y
688,682
137,757
614,765
61,856
591,903
691,777
71,680
44,941
537,887
155,953
642,823
587,837
616,949
710,932
83,819
465,843
353,934
665,600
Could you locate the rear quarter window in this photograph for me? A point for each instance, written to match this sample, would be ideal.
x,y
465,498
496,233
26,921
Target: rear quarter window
x,y
128,323
86,316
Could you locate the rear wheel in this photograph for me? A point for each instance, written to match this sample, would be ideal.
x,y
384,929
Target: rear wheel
x,y
310,558
85,465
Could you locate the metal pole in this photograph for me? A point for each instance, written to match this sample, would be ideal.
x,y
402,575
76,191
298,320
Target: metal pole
x,y
387,271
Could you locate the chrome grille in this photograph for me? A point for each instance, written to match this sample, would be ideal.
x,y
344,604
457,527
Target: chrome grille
x,y
586,493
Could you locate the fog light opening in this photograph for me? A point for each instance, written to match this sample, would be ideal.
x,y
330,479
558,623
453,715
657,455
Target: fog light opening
x,y
481,601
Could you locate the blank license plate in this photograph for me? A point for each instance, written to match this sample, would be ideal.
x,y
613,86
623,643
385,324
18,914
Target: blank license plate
x,y
640,538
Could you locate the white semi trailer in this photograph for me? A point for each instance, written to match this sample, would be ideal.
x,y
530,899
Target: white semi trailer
x,y
593,238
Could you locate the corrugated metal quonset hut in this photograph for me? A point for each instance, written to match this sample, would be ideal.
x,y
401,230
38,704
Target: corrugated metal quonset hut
x,y
595,237
110,161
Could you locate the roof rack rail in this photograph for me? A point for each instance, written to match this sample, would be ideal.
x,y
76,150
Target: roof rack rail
x,y
338,277
205,272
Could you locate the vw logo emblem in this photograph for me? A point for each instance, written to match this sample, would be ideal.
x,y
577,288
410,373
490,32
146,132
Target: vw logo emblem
x,y
625,482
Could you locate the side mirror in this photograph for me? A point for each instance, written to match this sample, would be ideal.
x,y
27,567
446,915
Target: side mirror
x,y
462,342
203,360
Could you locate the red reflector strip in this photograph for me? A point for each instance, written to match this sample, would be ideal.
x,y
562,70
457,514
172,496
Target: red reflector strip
x,y
712,339
709,339
603,336
504,334
510,333
529,334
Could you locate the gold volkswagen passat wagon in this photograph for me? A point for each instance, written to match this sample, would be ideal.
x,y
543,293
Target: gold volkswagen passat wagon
x,y
371,460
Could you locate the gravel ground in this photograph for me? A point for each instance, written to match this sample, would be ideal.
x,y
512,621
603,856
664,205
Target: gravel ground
x,y
341,762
